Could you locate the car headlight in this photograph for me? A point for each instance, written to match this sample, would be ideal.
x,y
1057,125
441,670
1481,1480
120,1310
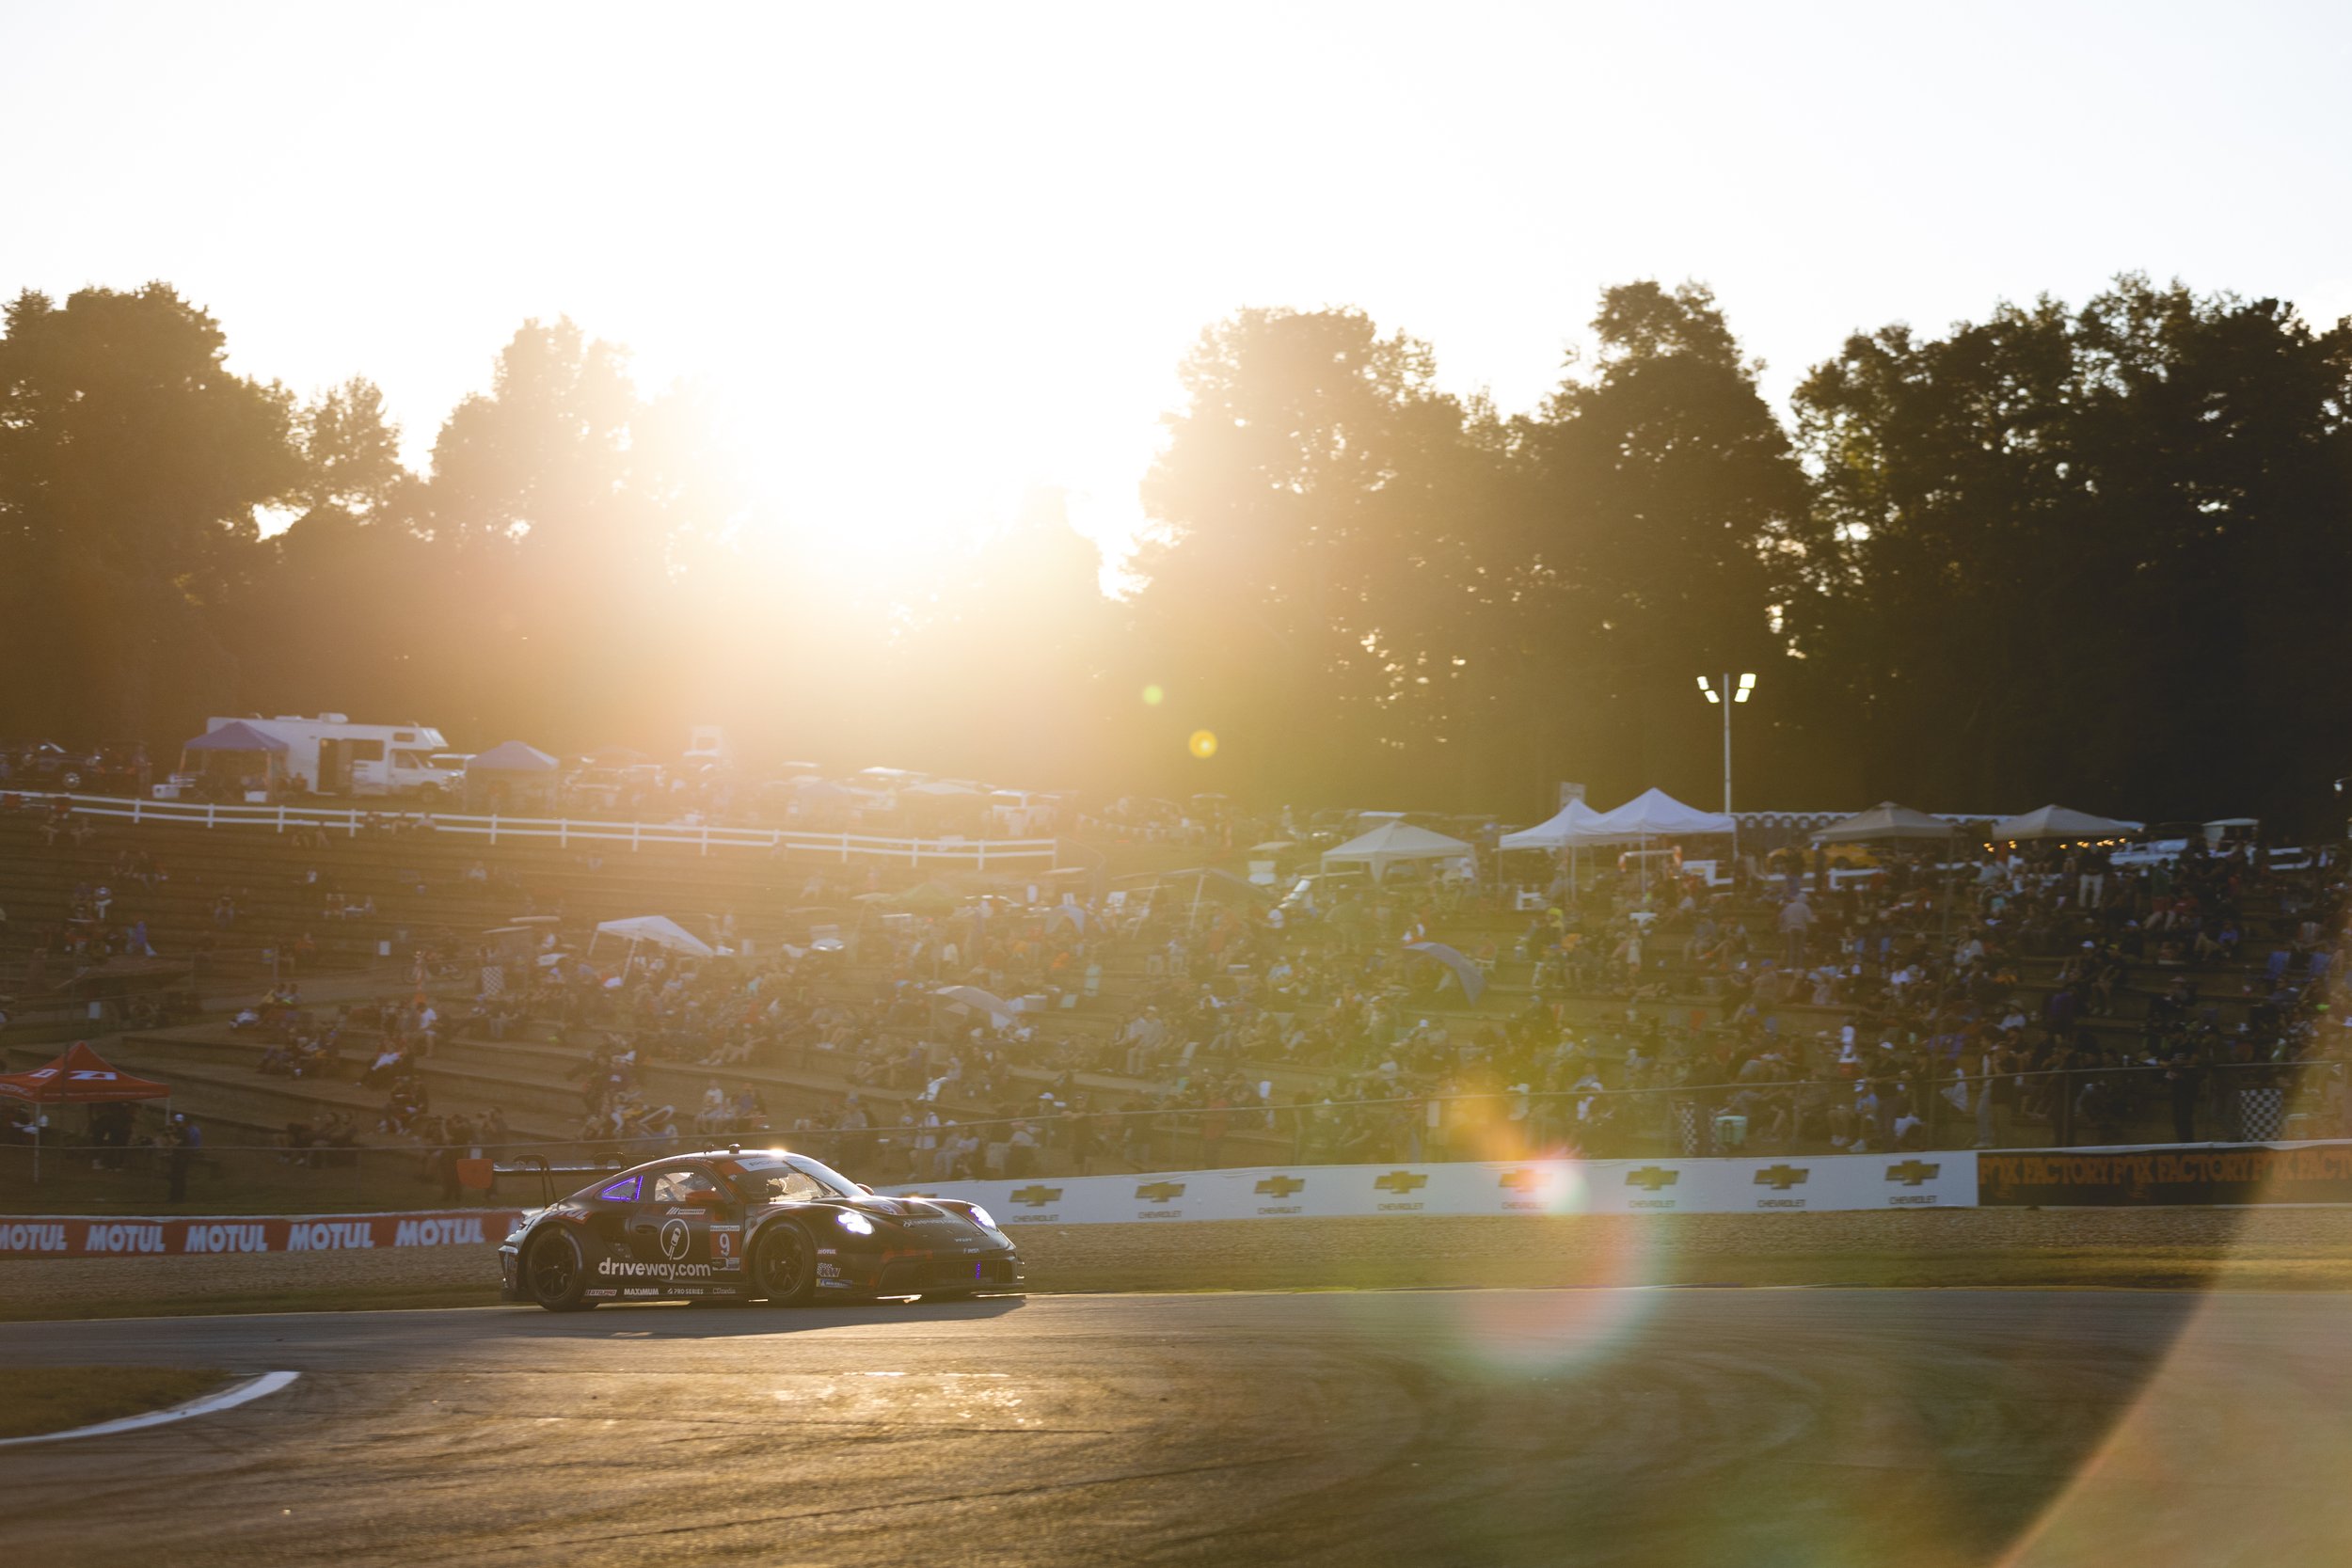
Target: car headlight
x,y
981,1217
854,1223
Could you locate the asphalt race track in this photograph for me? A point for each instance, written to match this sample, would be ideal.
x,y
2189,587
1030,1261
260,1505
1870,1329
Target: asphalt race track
x,y
1750,1428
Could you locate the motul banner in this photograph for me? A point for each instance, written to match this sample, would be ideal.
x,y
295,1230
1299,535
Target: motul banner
x,y
227,1235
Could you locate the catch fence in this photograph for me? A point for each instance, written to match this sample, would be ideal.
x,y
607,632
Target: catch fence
x,y
2249,1103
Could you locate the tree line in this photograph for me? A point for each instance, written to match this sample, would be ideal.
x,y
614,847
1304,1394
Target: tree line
x,y
2099,555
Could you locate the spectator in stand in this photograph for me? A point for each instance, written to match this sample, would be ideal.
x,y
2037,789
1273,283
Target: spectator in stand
x,y
1796,922
183,1139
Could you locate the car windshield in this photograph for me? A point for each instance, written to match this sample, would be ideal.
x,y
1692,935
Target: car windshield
x,y
787,1178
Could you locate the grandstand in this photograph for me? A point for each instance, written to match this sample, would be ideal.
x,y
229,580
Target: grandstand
x,y
233,910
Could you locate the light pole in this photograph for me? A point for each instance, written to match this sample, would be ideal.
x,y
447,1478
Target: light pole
x,y
1715,695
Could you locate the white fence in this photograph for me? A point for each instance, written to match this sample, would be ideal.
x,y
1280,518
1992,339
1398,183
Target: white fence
x,y
964,854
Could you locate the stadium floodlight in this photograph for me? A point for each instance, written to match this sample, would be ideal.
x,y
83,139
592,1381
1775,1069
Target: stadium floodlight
x,y
1737,690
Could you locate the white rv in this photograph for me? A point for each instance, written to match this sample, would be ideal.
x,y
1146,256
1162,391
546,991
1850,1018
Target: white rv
x,y
334,756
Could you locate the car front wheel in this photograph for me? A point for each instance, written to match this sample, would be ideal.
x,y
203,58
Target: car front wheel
x,y
555,1272
784,1266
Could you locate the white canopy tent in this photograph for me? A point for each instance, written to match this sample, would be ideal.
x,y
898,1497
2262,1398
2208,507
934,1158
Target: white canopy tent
x,y
659,931
1655,813
1392,843
2058,822
1886,823
1573,826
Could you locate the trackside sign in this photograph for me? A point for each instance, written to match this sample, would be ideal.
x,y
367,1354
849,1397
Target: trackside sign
x,y
76,1236
2189,1174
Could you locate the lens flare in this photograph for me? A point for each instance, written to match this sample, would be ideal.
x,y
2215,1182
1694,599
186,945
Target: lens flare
x,y
1154,696
1202,744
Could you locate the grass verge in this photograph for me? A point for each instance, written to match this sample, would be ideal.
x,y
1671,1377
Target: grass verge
x,y
59,1399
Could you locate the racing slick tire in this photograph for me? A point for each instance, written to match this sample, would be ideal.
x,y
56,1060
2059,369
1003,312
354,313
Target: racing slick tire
x,y
784,1265
555,1271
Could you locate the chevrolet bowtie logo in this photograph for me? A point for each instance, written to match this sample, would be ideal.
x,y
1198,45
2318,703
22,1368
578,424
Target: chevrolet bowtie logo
x,y
1037,1197
1160,1192
1279,1186
1652,1178
1781,1178
1400,1181
1912,1172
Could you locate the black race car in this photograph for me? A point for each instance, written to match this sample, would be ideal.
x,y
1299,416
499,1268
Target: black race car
x,y
756,1225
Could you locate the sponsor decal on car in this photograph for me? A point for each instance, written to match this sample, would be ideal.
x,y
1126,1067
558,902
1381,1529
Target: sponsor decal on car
x,y
615,1268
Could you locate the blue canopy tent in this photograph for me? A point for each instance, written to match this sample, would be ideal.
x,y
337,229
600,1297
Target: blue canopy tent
x,y
513,777
236,759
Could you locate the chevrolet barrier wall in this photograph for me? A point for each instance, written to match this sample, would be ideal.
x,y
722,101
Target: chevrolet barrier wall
x,y
1943,1179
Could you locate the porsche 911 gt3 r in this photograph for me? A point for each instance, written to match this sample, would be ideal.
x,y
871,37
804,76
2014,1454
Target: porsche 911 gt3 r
x,y
749,1224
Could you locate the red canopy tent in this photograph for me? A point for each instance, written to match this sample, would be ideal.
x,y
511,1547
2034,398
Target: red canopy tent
x,y
80,1077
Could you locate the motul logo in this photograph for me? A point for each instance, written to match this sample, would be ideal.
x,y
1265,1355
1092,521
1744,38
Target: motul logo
x,y
229,1238
123,1237
32,1238
330,1236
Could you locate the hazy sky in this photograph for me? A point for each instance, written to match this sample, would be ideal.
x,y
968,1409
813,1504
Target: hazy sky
x,y
935,254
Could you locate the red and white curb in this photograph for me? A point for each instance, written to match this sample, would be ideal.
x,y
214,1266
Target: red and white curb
x,y
227,1398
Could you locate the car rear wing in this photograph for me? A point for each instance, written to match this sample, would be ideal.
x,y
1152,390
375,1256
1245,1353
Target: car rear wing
x,y
547,1172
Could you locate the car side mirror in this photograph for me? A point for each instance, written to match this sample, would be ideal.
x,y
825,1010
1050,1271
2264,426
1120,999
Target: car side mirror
x,y
866,1190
